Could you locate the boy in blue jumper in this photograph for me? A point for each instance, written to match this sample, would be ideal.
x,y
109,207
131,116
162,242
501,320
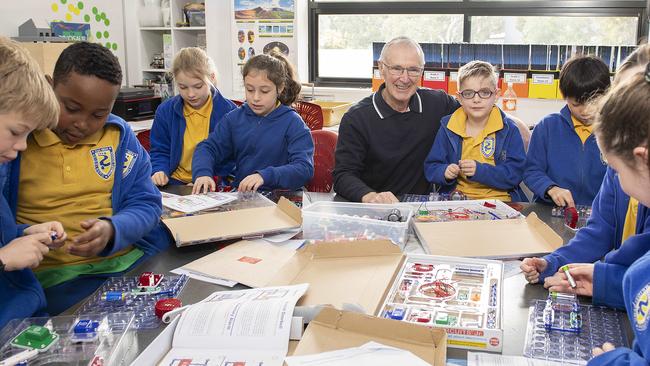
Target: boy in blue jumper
x,y
615,218
270,144
186,119
622,126
478,149
26,103
563,164
99,185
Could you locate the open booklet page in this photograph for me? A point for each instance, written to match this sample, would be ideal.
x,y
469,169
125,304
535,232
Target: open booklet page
x,y
236,328
196,202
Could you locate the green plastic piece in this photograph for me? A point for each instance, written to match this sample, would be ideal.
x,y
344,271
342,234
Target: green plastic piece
x,y
35,337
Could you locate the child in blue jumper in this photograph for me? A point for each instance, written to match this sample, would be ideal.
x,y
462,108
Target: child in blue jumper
x,y
186,119
26,103
615,218
98,183
270,144
563,164
478,149
622,126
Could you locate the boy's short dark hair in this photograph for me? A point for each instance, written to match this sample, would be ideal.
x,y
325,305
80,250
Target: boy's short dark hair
x,y
583,77
87,58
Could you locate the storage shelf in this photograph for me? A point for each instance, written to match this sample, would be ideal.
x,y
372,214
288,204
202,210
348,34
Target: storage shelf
x,y
189,28
155,28
155,70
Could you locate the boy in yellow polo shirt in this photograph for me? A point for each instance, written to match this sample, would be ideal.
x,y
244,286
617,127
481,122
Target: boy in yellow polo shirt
x,y
478,149
90,173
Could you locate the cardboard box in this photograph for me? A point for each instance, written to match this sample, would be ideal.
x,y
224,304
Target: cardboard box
x,y
45,54
519,82
435,79
334,329
377,80
489,239
543,84
333,111
251,222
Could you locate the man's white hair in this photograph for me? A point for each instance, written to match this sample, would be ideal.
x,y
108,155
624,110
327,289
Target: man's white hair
x,y
402,40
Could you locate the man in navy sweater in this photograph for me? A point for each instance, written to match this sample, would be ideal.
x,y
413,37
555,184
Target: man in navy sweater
x,y
384,139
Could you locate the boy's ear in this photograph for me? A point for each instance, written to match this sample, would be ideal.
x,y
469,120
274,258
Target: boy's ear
x,y
641,153
49,80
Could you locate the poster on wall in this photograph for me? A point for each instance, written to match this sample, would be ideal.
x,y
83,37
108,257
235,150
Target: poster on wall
x,y
260,26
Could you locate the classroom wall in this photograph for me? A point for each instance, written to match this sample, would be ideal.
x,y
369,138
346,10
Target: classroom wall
x,y
105,17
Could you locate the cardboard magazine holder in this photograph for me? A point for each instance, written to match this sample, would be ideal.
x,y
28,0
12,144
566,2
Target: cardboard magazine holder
x,y
250,222
334,329
488,239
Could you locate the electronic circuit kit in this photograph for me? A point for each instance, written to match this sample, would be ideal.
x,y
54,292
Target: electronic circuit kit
x,y
574,217
560,329
85,339
138,295
462,295
466,210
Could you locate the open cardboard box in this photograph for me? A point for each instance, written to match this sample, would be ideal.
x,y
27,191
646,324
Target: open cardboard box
x,y
250,222
513,238
334,329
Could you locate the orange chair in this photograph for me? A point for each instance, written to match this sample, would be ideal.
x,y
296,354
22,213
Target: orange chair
x,y
311,113
324,146
143,137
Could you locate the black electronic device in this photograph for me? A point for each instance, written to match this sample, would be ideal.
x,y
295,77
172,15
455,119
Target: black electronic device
x,y
134,104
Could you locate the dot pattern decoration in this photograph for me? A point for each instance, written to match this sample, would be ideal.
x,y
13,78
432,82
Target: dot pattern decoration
x,y
78,11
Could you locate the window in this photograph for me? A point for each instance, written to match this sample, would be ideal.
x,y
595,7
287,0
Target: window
x,y
596,31
342,31
345,41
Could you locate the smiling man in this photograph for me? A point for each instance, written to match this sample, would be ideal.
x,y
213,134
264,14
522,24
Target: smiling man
x,y
384,139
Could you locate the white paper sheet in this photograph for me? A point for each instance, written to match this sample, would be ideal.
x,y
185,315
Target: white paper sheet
x,y
196,202
371,353
491,359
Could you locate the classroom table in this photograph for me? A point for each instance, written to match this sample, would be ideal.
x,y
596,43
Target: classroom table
x,y
516,300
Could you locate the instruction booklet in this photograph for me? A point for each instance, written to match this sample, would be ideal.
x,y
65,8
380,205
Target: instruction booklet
x,y
247,327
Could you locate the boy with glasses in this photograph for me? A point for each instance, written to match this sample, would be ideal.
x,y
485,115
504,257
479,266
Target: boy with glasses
x,y
564,164
384,139
478,150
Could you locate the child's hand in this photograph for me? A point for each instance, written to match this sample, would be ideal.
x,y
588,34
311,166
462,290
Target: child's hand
x,y
160,178
251,183
94,240
467,167
583,275
561,197
25,251
49,227
532,267
452,171
597,351
204,185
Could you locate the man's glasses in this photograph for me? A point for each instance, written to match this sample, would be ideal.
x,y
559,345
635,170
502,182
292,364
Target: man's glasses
x,y
398,70
469,94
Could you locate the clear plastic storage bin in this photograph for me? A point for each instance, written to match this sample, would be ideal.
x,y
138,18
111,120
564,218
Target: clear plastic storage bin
x,y
335,221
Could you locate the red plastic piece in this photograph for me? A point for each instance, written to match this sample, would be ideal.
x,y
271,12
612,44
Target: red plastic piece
x,y
149,279
166,305
571,217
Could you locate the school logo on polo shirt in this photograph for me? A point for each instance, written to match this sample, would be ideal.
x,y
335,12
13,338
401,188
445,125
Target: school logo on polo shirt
x,y
129,161
487,147
642,308
104,161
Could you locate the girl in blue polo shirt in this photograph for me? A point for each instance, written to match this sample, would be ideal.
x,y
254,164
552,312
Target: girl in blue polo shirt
x,y
186,119
622,127
478,149
267,139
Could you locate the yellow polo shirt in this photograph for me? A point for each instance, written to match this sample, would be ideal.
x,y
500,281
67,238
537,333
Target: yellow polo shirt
x,y
582,130
629,228
69,183
480,148
197,128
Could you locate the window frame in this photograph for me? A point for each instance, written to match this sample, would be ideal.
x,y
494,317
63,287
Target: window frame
x,y
467,8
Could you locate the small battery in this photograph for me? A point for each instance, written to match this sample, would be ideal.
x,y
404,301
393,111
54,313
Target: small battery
x,y
114,296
